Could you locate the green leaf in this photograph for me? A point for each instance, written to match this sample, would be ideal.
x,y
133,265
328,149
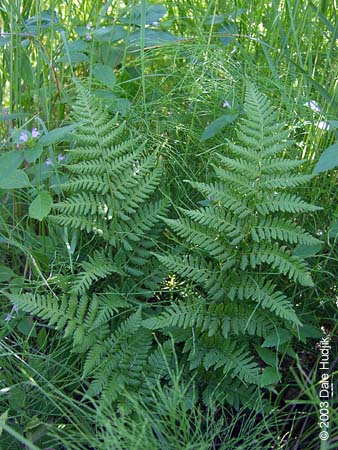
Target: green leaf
x,y
113,33
41,206
277,338
57,135
33,153
217,125
6,273
26,326
228,29
75,57
153,13
105,75
270,376
15,180
3,418
152,38
9,162
309,331
333,231
268,356
121,105
333,123
42,338
216,20
78,45
13,116
306,251
328,160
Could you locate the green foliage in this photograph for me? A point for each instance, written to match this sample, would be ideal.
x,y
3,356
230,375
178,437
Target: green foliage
x,y
176,73
236,247
110,195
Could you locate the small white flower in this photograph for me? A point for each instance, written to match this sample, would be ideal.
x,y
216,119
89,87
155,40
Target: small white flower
x,y
322,125
312,104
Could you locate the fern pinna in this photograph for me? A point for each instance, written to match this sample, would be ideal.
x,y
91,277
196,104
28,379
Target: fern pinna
x,y
240,246
111,197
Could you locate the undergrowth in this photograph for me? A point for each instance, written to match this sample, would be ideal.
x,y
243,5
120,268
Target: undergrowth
x,y
168,224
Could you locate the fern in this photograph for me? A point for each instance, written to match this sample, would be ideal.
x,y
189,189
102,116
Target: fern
x,y
236,246
111,196
112,179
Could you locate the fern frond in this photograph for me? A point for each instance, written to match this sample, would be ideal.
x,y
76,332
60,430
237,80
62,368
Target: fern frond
x,y
98,266
282,202
282,229
219,193
244,229
282,260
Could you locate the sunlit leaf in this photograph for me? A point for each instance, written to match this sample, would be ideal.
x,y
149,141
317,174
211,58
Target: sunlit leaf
x,y
328,160
40,206
105,75
15,180
214,127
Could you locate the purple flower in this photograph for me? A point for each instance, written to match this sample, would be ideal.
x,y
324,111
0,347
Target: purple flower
x,y
35,133
60,157
226,104
23,136
89,37
88,26
8,317
15,308
49,162
155,23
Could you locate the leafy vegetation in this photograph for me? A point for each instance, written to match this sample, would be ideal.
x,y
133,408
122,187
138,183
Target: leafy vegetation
x,y
168,224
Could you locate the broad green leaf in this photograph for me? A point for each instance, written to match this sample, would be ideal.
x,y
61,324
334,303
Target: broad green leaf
x,y
214,127
6,273
44,20
333,231
333,123
216,20
42,338
40,206
277,338
9,162
33,153
153,13
58,135
121,105
78,46
113,33
152,38
75,57
270,376
15,180
328,160
26,326
306,251
309,331
226,32
105,75
268,356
